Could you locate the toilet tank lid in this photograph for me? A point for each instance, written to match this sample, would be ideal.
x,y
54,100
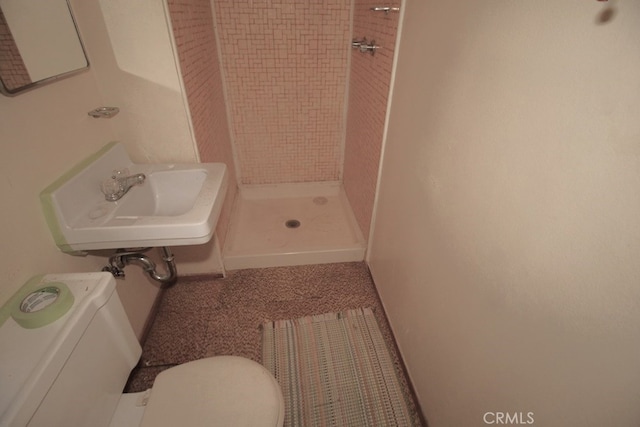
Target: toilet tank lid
x,y
220,390
32,356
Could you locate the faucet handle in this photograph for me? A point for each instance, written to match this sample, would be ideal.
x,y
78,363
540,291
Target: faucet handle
x,y
120,173
112,188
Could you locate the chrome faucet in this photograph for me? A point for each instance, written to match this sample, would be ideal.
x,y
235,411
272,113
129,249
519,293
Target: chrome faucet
x,y
120,183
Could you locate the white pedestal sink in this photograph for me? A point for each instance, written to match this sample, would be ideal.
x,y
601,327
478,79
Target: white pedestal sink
x,y
177,204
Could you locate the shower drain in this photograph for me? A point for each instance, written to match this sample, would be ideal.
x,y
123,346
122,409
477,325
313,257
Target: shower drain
x,y
292,223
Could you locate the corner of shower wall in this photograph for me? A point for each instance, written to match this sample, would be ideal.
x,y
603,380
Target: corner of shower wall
x,y
369,83
197,51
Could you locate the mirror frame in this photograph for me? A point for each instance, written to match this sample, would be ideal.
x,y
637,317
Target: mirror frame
x,y
13,92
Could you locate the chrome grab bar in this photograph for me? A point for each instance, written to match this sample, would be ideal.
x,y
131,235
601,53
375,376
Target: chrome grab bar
x,y
385,9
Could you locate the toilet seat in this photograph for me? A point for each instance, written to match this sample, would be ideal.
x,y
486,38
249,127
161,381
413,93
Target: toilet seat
x,y
215,391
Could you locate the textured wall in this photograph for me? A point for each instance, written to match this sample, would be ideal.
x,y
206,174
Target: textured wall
x,y
368,92
192,23
506,244
285,64
49,130
132,57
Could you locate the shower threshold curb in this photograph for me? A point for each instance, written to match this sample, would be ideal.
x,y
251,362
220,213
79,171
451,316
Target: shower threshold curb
x,y
242,261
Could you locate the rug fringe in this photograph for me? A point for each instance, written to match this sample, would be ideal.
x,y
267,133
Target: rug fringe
x,y
272,324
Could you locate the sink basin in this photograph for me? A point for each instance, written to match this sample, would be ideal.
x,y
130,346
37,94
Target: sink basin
x,y
164,193
177,204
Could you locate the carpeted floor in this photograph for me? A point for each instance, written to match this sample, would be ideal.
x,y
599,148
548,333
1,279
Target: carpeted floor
x,y
202,317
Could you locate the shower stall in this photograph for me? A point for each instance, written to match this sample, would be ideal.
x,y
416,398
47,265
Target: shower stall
x,y
276,92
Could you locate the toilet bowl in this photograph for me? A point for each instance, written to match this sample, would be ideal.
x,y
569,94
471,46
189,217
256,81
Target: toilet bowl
x,y
215,391
67,366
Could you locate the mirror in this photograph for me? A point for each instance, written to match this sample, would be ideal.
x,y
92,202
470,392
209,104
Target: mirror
x,y
39,43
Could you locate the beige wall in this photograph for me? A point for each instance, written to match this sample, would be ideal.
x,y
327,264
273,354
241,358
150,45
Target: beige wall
x,y
131,54
507,236
46,131
42,134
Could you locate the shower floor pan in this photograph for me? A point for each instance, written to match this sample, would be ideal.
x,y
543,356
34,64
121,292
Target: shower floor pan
x,y
292,224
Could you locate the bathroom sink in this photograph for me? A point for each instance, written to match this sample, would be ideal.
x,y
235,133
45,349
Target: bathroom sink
x,y
165,193
175,204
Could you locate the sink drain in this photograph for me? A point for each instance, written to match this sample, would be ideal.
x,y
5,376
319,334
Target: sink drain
x,y
292,223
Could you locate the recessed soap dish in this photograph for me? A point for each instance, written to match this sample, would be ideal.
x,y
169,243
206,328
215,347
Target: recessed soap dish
x,y
104,112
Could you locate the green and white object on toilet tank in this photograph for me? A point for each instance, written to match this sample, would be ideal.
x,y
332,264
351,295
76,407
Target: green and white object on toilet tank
x,y
40,327
37,303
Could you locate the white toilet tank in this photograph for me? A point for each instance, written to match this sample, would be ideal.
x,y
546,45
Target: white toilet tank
x,y
66,364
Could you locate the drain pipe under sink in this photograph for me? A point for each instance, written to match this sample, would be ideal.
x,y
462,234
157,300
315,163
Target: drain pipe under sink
x,y
122,258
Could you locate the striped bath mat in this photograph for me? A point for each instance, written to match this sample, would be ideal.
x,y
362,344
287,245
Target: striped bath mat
x,y
334,370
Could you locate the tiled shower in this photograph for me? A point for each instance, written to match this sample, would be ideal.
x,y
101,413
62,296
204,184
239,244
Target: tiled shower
x,y
276,92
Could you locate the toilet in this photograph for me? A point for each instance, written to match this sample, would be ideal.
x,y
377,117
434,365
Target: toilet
x,y
67,349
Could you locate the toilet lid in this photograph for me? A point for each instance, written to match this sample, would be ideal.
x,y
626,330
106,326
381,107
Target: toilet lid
x,y
216,391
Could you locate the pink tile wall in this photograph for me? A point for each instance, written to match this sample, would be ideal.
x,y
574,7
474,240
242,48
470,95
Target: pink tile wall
x,y
193,30
12,68
368,94
285,64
